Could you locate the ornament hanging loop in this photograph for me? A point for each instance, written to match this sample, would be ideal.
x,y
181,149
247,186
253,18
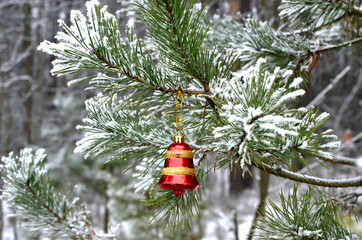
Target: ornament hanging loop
x,y
179,95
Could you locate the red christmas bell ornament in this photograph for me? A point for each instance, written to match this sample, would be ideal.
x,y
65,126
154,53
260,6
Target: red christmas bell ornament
x,y
179,173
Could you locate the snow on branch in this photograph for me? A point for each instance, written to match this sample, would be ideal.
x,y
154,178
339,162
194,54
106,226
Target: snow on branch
x,y
258,125
337,46
313,215
122,135
95,42
335,183
183,49
28,189
260,40
316,13
178,32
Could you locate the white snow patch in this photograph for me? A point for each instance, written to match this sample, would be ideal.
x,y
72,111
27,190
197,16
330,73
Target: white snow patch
x,y
287,73
331,145
296,82
359,162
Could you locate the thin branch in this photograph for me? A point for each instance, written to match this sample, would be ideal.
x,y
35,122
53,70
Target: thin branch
x,y
317,100
280,172
345,161
337,160
184,56
137,79
355,12
349,143
38,199
347,101
260,210
309,30
333,47
284,183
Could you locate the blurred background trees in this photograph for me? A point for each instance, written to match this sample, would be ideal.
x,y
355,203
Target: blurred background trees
x,y
39,110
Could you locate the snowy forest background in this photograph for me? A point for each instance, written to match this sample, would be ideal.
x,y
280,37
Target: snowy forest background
x,y
39,110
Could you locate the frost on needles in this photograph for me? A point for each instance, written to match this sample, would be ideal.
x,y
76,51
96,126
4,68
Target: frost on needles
x,y
244,116
29,191
257,126
313,215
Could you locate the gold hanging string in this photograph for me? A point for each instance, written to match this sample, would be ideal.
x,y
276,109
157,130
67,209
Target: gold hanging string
x,y
179,122
176,114
181,96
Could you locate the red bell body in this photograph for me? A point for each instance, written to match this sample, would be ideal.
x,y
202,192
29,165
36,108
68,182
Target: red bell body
x,y
179,171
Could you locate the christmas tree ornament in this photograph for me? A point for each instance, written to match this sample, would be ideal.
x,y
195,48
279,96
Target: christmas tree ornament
x,y
179,173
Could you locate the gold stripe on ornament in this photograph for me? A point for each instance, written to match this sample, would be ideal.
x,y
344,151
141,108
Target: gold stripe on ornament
x,y
179,154
178,171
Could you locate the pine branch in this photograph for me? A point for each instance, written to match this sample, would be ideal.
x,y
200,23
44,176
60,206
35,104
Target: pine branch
x,y
345,161
177,48
186,58
313,215
255,124
101,46
268,130
137,79
315,13
29,191
313,29
280,172
183,53
337,46
124,136
38,199
260,40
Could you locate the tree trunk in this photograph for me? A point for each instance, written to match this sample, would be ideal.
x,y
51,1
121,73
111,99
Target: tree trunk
x,y
241,6
8,123
39,79
2,92
234,7
276,14
236,227
263,7
28,71
106,214
263,193
238,183
15,228
245,6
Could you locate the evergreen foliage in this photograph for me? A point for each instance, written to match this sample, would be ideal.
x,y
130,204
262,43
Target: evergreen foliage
x,y
29,190
257,39
311,216
257,125
244,115
317,14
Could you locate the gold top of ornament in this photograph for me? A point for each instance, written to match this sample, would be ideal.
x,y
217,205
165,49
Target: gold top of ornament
x,y
178,139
